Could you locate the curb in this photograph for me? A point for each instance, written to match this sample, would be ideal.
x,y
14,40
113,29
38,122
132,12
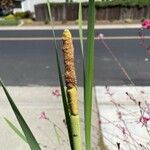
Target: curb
x,y
73,27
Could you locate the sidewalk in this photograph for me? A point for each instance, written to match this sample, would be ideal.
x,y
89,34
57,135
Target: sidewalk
x,y
122,119
61,27
31,101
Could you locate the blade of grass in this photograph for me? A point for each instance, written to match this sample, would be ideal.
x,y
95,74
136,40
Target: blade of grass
x,y
81,38
57,134
16,130
89,69
27,132
64,98
81,41
80,27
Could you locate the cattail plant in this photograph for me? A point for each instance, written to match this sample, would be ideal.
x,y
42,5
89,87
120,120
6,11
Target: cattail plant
x,y
71,84
71,101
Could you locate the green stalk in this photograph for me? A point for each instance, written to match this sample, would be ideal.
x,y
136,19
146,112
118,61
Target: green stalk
x,y
25,128
64,98
71,84
75,124
89,73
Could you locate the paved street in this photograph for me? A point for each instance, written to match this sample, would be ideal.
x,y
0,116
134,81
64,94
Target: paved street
x,y
27,57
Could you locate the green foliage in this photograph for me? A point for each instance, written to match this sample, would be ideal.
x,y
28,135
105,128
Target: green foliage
x,y
16,130
9,17
69,1
124,3
10,22
6,4
23,15
108,3
19,15
25,128
89,74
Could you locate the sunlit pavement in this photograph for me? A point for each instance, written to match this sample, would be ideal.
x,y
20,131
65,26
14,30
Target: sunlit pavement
x,y
125,116
42,109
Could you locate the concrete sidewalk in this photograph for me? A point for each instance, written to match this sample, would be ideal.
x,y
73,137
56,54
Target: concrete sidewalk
x,y
118,111
52,135
123,121
61,27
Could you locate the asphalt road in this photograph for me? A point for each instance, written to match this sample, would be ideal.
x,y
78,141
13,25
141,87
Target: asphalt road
x,y
75,33
27,57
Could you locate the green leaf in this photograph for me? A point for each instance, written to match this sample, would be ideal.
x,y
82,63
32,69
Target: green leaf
x,y
16,130
80,28
64,98
27,132
81,37
57,134
89,73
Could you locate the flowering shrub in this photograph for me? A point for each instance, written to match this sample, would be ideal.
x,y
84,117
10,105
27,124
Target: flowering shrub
x,y
126,126
146,24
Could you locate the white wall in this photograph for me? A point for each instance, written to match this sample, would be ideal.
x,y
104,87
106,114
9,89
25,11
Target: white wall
x,y
29,4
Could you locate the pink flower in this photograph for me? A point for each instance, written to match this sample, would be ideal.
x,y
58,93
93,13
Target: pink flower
x,y
56,93
146,24
43,116
144,120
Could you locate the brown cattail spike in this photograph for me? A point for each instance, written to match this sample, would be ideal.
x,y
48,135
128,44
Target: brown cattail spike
x,y
71,84
68,52
70,76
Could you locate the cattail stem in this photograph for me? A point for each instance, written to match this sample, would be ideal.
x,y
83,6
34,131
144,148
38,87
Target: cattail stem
x,y
71,84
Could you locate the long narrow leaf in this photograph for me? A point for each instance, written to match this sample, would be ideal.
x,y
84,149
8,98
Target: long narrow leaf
x,y
64,98
81,38
16,130
80,27
57,134
89,73
27,132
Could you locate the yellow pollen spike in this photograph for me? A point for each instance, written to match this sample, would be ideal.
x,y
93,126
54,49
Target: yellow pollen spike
x,y
67,34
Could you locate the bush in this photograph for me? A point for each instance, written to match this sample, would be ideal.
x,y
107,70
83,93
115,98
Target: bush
x,y
9,17
110,3
9,22
23,15
125,3
19,15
